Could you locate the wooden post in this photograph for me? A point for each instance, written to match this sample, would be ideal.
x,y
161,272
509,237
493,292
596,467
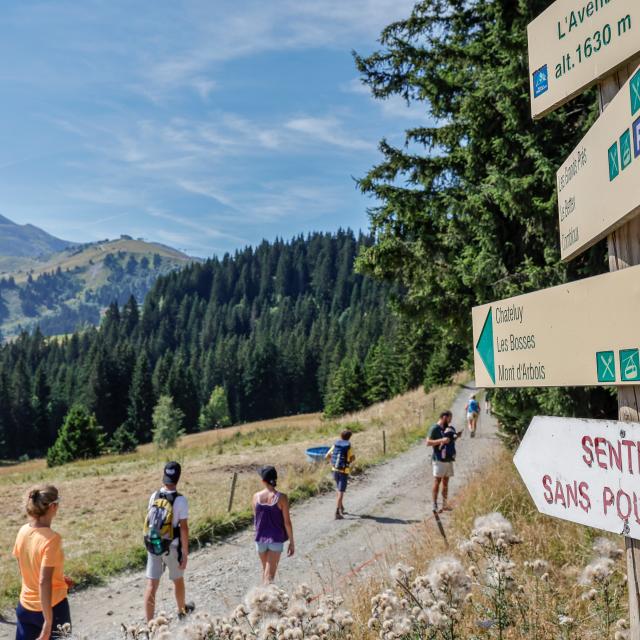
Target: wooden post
x,y
384,442
233,491
624,251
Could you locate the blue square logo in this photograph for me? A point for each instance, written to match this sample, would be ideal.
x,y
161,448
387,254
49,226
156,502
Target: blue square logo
x,y
540,81
636,138
614,162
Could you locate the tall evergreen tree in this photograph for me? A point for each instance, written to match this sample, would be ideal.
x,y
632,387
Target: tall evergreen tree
x,y
141,401
468,210
80,437
347,389
41,407
7,429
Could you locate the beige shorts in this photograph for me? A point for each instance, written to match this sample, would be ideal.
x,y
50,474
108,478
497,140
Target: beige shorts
x,y
442,469
157,564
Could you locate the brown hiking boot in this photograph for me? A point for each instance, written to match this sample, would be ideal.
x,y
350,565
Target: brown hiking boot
x,y
339,516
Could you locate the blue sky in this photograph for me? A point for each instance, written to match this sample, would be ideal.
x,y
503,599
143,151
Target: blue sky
x,y
206,125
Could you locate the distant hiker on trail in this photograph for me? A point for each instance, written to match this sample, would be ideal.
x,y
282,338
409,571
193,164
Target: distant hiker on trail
x,y
473,411
273,524
43,610
341,456
166,536
487,402
442,437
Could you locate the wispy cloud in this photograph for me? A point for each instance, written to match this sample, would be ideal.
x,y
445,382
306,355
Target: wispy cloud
x,y
328,130
211,123
202,227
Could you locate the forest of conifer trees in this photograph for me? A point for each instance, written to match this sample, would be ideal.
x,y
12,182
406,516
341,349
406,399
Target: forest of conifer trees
x,y
283,328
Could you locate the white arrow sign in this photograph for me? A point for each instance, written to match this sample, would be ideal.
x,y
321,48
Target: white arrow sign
x,y
585,471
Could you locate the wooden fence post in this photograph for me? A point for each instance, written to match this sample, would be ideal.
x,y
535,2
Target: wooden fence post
x,y
233,491
624,251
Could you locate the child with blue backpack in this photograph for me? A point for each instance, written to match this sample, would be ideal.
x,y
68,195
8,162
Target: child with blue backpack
x,y
473,411
341,456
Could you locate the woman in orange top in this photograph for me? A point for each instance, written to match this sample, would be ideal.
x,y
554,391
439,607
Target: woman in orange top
x,y
43,609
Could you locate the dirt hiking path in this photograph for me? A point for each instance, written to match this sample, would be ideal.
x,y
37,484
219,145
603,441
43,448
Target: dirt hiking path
x,y
383,505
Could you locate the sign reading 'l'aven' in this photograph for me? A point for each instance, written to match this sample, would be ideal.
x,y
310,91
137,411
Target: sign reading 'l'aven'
x,y
568,335
575,43
599,184
584,471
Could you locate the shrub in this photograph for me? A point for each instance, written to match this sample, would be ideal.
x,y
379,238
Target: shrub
x,y
167,423
215,414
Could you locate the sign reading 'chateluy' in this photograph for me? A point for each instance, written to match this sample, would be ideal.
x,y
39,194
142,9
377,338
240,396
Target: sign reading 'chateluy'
x,y
575,43
580,334
585,471
599,184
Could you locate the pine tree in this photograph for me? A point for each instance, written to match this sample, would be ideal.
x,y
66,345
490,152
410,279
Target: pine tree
x,y
79,438
7,430
468,207
41,405
182,388
141,401
382,373
347,390
167,421
124,439
215,414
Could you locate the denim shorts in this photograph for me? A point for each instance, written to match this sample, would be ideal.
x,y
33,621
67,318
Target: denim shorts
x,y
342,480
276,547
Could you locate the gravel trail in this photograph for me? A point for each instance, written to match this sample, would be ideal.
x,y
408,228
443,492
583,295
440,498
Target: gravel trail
x,y
383,504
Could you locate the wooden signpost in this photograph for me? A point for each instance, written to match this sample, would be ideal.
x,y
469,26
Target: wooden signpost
x,y
586,332
575,43
584,471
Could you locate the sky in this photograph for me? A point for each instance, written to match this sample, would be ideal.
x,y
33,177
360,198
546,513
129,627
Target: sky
x,y
206,125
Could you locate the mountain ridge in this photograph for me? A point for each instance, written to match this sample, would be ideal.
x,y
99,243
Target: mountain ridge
x,y
71,287
28,241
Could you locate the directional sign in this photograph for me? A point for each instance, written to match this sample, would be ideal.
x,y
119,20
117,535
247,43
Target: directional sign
x,y
575,43
598,184
580,334
585,471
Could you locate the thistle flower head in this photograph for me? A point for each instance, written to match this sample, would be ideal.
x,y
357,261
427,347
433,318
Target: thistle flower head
x,y
607,548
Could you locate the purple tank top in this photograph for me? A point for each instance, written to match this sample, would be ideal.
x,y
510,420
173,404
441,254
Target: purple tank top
x,y
269,523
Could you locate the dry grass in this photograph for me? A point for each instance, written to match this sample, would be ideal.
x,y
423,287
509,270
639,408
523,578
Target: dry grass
x,y
566,546
104,500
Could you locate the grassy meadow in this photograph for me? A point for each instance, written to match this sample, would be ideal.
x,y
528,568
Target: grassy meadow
x,y
104,500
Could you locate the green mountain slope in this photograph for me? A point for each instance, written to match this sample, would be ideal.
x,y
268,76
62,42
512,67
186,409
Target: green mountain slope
x,y
27,240
63,290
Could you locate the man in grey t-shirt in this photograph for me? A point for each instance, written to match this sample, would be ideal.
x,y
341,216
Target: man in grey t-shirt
x,y
175,560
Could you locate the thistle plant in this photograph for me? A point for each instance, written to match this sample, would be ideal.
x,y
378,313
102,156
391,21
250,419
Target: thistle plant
x,y
604,585
489,547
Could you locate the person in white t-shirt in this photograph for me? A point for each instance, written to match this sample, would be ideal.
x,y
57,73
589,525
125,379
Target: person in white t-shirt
x,y
175,559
